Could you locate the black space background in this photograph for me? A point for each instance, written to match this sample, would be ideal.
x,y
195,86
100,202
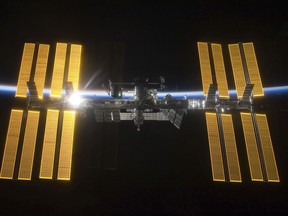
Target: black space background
x,y
161,170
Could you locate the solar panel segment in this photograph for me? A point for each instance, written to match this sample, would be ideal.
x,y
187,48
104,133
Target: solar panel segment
x,y
215,147
11,145
74,65
253,70
220,70
238,71
267,148
49,144
205,66
231,148
66,147
58,70
28,150
41,68
25,70
251,147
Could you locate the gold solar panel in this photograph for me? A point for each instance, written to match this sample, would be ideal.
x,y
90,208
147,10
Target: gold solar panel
x,y
253,69
49,144
74,65
237,66
220,70
25,70
58,70
215,147
205,66
251,147
11,145
65,158
268,153
231,148
40,69
27,156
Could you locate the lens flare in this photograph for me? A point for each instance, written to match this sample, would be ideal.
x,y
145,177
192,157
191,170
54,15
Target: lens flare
x,y
75,100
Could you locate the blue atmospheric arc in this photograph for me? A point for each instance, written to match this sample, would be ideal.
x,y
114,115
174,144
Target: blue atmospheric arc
x,y
276,90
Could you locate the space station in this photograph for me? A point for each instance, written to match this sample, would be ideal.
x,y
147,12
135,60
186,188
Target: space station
x,y
147,100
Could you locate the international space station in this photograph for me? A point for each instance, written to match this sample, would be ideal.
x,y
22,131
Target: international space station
x,y
63,102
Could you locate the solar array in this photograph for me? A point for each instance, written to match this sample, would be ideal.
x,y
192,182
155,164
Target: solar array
x,y
222,142
56,158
